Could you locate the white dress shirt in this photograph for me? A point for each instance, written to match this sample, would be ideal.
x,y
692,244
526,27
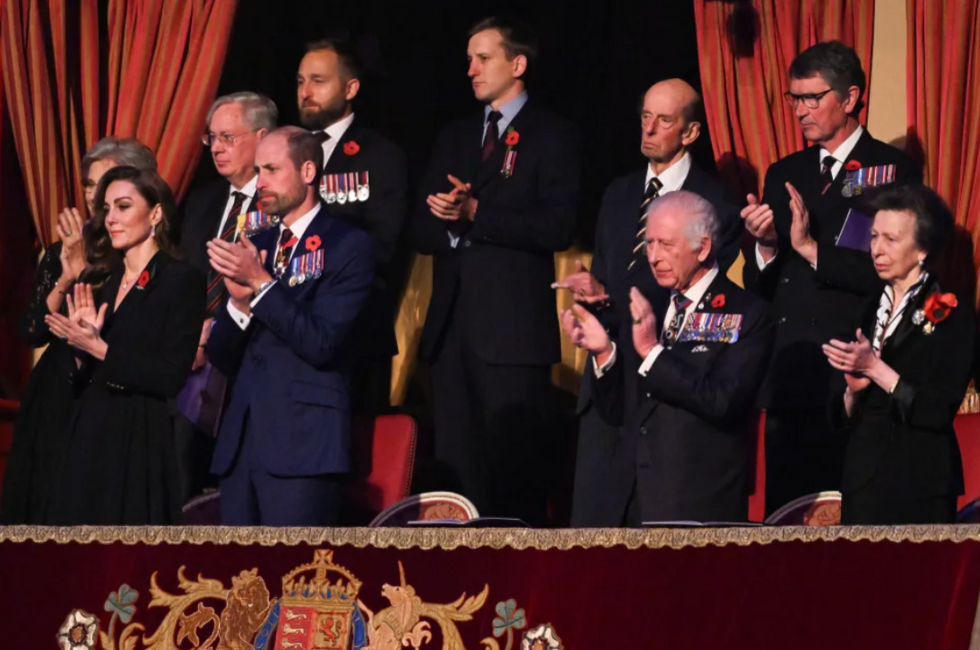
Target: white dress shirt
x,y
840,154
695,293
672,178
336,132
298,228
248,191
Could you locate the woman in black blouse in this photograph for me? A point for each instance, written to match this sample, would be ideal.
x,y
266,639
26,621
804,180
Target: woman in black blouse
x,y
133,349
38,443
906,373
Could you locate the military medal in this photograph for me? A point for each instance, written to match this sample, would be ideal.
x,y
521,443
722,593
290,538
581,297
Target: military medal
x,y
848,190
362,189
351,191
341,189
318,263
331,189
324,188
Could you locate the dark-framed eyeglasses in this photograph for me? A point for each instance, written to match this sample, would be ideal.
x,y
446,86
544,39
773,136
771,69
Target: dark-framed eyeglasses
x,y
810,100
227,139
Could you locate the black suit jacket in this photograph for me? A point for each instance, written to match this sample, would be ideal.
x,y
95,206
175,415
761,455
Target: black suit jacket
x,y
502,269
902,445
202,214
616,236
811,307
382,217
686,425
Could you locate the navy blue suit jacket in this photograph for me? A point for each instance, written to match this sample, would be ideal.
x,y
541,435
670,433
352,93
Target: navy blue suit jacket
x,y
292,363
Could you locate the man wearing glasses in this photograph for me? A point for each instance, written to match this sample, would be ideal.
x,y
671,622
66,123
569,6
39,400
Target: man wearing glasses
x,y
235,124
815,286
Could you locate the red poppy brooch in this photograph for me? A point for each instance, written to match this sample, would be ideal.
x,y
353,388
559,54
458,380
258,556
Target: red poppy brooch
x,y
143,280
936,310
313,243
351,148
852,166
719,301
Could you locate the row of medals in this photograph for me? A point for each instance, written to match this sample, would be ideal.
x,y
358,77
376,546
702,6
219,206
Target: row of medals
x,y
362,193
300,278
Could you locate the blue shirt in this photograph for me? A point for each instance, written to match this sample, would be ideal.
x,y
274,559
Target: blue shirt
x,y
508,111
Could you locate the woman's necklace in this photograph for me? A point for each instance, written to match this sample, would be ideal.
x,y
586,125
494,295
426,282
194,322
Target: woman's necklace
x,y
125,284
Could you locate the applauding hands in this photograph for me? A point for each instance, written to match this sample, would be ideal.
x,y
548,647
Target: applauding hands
x,y
583,285
83,326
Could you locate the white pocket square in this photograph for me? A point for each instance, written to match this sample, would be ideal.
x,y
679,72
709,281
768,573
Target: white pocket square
x,y
699,348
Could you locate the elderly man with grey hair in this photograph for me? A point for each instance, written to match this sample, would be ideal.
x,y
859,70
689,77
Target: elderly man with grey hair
x,y
235,124
683,386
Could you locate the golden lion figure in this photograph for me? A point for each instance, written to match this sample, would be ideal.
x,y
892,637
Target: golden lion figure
x,y
247,608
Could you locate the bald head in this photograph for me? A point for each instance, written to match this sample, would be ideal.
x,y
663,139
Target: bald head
x,y
670,120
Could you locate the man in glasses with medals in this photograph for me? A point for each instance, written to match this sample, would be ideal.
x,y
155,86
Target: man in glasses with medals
x,y
814,283
296,290
681,380
364,183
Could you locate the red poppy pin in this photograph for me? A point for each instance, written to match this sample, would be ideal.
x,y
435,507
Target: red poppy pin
x,y
719,301
852,166
313,243
143,279
513,137
938,306
351,148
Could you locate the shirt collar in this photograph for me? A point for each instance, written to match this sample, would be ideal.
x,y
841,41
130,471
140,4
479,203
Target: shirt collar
x,y
845,148
673,177
337,130
508,111
248,190
300,225
697,291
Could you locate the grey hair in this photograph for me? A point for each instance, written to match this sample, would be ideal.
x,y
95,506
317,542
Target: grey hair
x,y
702,219
124,152
259,112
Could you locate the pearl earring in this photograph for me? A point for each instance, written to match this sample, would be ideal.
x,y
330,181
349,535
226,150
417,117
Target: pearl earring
x,y
922,263
153,230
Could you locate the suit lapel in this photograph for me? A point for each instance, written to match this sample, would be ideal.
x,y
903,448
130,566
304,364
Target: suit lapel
x,y
319,226
137,293
906,327
339,161
489,169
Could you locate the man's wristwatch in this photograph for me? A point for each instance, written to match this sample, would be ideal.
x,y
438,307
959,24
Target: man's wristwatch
x,y
265,285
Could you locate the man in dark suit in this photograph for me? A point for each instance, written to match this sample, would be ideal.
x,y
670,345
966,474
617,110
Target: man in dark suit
x,y
498,201
682,382
235,124
670,123
371,173
294,294
815,287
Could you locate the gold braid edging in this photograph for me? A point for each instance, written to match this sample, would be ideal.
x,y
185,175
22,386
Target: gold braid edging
x,y
497,538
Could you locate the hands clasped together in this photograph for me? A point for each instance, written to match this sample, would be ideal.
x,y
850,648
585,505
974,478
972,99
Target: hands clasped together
x,y
586,332
83,326
456,205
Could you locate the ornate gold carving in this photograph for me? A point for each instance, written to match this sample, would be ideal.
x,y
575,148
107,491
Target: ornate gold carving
x,y
496,538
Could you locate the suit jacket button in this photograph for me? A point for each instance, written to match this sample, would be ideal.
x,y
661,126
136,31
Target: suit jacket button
x,y
648,395
782,319
467,243
643,431
785,280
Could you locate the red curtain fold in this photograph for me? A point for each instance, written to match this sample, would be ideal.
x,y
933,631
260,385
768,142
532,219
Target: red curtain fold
x,y
944,117
164,64
745,49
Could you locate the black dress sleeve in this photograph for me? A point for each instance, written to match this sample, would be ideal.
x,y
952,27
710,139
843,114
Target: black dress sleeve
x,y
33,327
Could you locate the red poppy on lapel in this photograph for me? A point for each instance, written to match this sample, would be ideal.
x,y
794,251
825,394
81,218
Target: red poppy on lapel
x,y
852,166
938,306
143,279
719,301
313,243
513,137
351,148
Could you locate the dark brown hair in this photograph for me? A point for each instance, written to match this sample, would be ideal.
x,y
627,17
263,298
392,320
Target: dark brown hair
x,y
101,255
934,223
302,146
345,52
519,37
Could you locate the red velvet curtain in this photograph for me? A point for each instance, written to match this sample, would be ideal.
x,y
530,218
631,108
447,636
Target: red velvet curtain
x,y
164,63
745,49
944,116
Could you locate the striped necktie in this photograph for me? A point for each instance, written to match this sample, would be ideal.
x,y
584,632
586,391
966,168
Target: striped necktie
x,y
673,329
826,172
639,242
216,285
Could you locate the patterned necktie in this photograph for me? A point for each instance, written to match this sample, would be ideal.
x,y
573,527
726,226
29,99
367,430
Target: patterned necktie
x,y
491,135
216,285
639,242
826,172
287,240
673,329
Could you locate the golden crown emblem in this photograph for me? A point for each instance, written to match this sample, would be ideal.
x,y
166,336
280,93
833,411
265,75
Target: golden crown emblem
x,y
320,590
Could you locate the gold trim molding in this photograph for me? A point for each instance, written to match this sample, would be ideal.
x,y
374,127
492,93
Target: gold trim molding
x,y
497,538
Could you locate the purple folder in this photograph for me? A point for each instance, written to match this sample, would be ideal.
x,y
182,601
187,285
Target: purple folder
x,y
856,231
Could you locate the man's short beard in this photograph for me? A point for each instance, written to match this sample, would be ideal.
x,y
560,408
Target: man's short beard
x,y
319,119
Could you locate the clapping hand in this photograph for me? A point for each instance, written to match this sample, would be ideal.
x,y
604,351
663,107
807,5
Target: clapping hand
x,y
83,325
583,285
853,359
799,231
456,205
586,332
644,324
239,262
70,225
759,221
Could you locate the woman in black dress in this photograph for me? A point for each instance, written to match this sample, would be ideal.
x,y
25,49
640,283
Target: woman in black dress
x,y
39,434
133,348
907,373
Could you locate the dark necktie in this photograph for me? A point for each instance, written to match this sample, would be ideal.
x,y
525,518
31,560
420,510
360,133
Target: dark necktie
x,y
287,240
826,172
639,242
491,135
673,329
216,285
322,136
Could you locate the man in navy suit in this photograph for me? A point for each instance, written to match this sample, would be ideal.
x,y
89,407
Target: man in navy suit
x,y
295,292
498,201
670,123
